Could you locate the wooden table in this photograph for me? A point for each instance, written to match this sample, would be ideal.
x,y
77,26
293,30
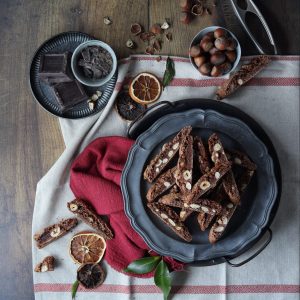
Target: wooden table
x,y
30,138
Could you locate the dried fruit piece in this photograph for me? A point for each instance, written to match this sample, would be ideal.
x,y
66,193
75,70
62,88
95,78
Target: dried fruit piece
x,y
136,29
46,265
128,109
87,247
90,275
145,88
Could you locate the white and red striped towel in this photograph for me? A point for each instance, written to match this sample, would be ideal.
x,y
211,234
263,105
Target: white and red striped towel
x,y
272,98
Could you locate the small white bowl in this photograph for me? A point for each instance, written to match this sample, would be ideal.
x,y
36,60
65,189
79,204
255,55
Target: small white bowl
x,y
79,74
198,37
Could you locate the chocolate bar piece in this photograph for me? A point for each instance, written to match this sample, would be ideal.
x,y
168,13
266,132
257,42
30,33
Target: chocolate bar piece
x,y
54,232
68,94
204,163
84,210
162,184
46,265
201,205
184,172
240,159
208,181
55,68
218,155
170,218
168,151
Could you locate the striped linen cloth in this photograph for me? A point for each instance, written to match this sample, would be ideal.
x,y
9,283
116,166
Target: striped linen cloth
x,y
272,98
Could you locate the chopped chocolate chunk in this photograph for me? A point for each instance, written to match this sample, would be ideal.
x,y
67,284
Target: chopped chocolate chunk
x,y
162,184
46,265
68,94
168,151
170,218
54,232
86,212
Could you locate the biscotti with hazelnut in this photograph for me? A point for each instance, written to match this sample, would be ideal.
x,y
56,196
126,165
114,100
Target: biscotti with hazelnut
x,y
54,232
161,185
202,155
168,151
46,265
86,212
171,219
239,78
240,159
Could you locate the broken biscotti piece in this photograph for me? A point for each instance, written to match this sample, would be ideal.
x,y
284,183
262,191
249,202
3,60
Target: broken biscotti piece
x,y
202,155
208,181
162,184
54,232
218,155
241,159
168,151
46,265
242,76
184,170
229,208
170,218
86,212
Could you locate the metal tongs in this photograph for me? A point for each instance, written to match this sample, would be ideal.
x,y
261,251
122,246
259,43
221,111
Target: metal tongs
x,y
241,14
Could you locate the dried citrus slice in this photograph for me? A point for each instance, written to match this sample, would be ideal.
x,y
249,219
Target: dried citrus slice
x,y
90,275
87,247
145,88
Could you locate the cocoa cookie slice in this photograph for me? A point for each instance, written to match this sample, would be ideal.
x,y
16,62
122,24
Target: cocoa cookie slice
x,y
229,208
202,155
46,265
240,159
54,232
218,155
170,218
185,213
162,184
168,151
208,181
86,212
184,170
239,78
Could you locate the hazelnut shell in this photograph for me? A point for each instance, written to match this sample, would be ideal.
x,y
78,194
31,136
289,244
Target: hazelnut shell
x,y
217,58
156,29
199,60
195,51
219,33
205,69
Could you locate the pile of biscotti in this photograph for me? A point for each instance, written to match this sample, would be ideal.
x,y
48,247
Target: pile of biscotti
x,y
214,194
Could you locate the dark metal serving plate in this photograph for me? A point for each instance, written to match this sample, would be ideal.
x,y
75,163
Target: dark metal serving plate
x,y
259,202
44,94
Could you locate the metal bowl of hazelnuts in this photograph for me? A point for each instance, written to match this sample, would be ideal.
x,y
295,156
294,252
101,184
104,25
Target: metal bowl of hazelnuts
x,y
215,51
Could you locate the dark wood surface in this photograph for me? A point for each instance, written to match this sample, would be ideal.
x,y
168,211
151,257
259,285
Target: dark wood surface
x,y
30,138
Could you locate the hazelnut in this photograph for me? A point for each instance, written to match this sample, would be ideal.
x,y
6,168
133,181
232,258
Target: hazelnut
x,y
219,33
73,207
170,154
195,51
213,51
107,20
217,147
231,56
204,208
221,43
167,184
206,45
55,232
130,44
171,222
156,29
205,69
209,36
175,146
164,216
99,94
187,175
185,5
91,105
149,50
219,229
199,60
44,268
216,71
197,10
136,29
94,97
204,185
165,160
194,206
226,67
232,44
185,17
217,59
165,25
156,45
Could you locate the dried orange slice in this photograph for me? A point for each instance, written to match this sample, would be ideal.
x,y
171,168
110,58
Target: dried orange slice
x,y
90,275
87,247
145,88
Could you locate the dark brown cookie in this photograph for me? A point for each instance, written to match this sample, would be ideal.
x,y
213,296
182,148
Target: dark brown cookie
x,y
202,155
46,265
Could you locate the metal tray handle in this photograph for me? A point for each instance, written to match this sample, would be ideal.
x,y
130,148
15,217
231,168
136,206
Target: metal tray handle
x,y
266,243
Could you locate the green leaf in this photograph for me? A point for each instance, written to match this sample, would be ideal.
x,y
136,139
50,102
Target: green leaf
x,y
143,265
74,289
162,278
169,72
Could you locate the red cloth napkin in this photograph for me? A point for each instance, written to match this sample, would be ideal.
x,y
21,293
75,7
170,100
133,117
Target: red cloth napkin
x,y
96,177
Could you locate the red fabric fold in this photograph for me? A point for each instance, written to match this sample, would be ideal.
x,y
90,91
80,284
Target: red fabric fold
x,y
95,177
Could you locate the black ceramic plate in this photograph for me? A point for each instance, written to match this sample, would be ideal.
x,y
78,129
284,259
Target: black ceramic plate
x,y
43,93
248,221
